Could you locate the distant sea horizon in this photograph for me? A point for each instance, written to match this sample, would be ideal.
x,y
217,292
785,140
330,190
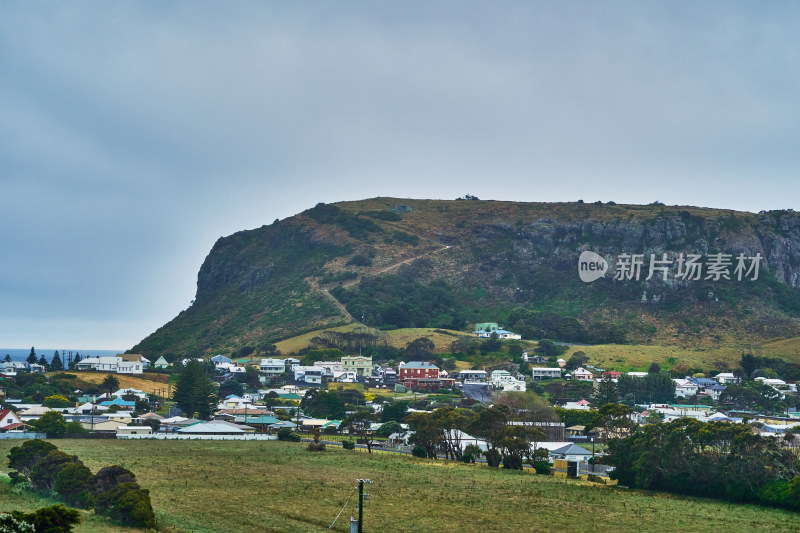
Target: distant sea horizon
x,y
21,354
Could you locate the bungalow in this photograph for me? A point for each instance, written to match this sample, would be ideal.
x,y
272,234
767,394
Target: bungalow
x,y
685,388
33,413
215,427
726,378
87,363
9,420
581,374
134,430
502,379
473,376
160,363
311,375
130,392
571,452
119,402
485,330
217,359
541,372
331,368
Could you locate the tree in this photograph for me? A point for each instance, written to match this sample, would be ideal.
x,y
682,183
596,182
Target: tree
x,y
464,345
230,386
606,392
655,368
43,362
194,392
492,344
549,348
74,483
50,422
7,358
577,360
396,410
31,360
110,383
360,422
56,364
387,428
56,400
24,458
44,474
53,519
420,349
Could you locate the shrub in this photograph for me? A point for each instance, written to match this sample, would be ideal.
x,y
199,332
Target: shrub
x,y
542,467
53,519
119,496
46,470
420,452
74,484
12,524
596,479
288,435
17,478
129,504
348,444
25,457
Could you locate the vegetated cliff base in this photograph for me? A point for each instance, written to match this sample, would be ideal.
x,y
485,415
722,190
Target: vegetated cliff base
x,y
435,263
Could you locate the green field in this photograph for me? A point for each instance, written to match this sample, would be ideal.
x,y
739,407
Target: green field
x,y
206,486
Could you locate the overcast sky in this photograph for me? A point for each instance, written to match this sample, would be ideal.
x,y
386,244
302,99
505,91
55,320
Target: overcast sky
x,y
134,134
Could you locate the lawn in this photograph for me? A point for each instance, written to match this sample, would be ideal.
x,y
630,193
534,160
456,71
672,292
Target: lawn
x,y
206,486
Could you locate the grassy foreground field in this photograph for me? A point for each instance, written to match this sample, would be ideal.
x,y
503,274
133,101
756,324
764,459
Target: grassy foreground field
x,y
206,486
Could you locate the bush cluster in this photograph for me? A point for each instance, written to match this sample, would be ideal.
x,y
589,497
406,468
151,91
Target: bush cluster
x,y
113,491
288,435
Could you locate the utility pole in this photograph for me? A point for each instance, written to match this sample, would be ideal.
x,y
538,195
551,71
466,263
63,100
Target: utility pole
x,y
361,496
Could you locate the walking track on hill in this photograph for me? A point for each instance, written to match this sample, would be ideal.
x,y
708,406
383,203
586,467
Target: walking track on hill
x,y
341,306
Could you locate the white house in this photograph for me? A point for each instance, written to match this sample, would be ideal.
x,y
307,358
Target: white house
x,y
87,363
473,376
685,388
129,367
308,374
9,421
330,367
726,378
134,392
161,363
541,372
581,374
272,367
502,379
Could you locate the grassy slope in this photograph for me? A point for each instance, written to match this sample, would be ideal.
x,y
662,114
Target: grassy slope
x,y
273,486
145,382
399,338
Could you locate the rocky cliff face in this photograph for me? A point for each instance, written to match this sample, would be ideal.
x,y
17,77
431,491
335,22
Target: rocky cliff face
x,y
265,284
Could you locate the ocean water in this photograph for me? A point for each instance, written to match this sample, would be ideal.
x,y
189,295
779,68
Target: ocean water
x,y
22,354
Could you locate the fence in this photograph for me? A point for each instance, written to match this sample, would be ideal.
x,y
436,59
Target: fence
x,y
15,435
177,436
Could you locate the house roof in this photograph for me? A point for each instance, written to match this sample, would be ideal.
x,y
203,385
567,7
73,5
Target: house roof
x,y
118,401
214,426
260,419
420,364
572,449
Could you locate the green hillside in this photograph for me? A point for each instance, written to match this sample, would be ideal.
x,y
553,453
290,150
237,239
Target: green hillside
x,y
390,263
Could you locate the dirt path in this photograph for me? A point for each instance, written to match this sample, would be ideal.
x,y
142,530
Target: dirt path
x,y
349,284
339,304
